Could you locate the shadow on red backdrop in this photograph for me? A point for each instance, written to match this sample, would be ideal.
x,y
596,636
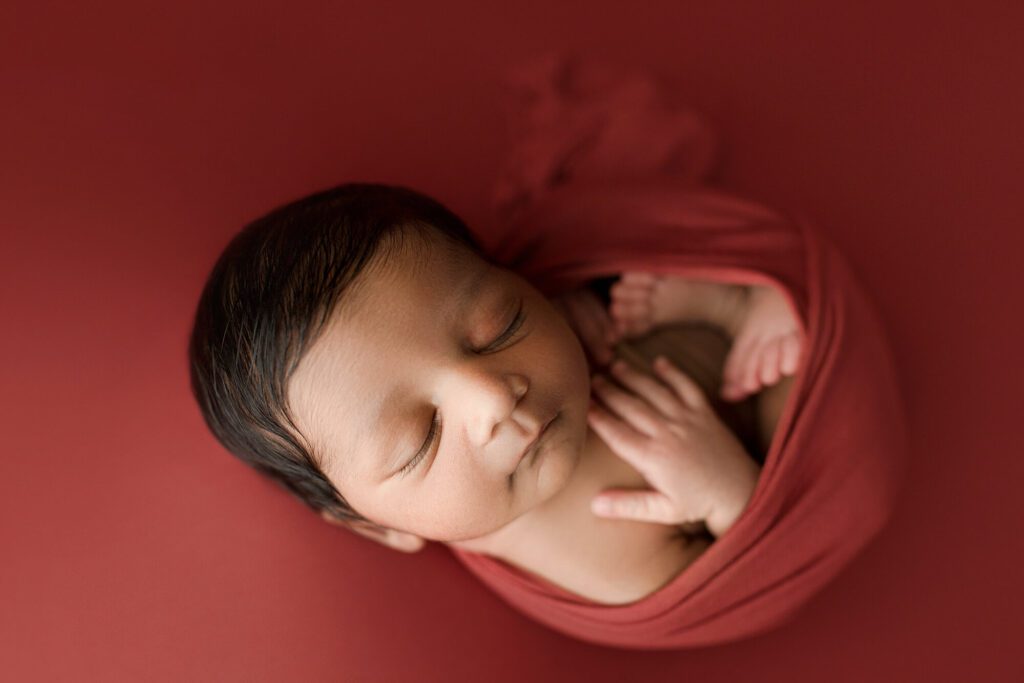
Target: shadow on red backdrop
x,y
135,141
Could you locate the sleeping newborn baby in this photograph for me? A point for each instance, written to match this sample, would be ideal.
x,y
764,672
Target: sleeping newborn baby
x,y
358,347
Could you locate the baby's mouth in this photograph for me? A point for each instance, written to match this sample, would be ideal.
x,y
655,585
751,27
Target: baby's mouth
x,y
531,449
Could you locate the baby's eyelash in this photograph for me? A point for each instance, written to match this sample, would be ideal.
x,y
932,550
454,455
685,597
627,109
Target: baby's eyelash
x,y
435,428
512,328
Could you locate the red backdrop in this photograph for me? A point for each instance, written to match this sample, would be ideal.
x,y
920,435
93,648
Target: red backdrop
x,y
134,141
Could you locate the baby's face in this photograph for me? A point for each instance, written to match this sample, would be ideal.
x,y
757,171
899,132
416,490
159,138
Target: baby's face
x,y
414,342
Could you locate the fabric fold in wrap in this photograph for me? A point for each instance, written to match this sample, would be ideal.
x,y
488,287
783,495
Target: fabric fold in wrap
x,y
606,175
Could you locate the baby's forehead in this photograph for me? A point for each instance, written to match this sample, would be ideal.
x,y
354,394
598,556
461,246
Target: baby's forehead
x,y
426,268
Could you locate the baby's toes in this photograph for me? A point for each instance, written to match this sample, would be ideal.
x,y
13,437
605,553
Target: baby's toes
x,y
628,292
750,381
732,373
791,348
638,278
731,391
631,318
770,352
629,301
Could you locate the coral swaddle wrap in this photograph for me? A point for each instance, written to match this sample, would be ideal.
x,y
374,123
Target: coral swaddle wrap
x,y
608,177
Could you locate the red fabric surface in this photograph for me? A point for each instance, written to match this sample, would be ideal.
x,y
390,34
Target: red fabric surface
x,y
137,138
576,201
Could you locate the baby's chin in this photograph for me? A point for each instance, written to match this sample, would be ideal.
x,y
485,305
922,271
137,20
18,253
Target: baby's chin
x,y
555,466
540,489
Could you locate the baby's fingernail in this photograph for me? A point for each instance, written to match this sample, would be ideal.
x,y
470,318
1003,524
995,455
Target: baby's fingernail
x,y
601,506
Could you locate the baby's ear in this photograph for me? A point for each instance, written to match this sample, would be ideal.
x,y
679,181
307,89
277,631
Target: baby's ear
x,y
392,538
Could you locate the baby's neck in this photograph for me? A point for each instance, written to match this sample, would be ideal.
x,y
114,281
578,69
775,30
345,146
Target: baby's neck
x,y
598,468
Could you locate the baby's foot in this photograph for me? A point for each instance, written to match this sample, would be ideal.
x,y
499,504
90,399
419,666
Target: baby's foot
x,y
641,301
767,345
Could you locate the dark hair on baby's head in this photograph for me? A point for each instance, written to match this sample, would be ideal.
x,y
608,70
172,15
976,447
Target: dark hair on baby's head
x,y
266,301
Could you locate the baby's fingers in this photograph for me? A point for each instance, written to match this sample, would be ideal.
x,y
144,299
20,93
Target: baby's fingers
x,y
622,439
629,407
688,390
644,506
658,394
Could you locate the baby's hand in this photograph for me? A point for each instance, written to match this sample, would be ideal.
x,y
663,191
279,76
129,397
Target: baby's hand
x,y
767,345
671,435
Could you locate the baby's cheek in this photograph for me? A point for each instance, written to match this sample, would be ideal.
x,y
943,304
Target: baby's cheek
x,y
469,512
